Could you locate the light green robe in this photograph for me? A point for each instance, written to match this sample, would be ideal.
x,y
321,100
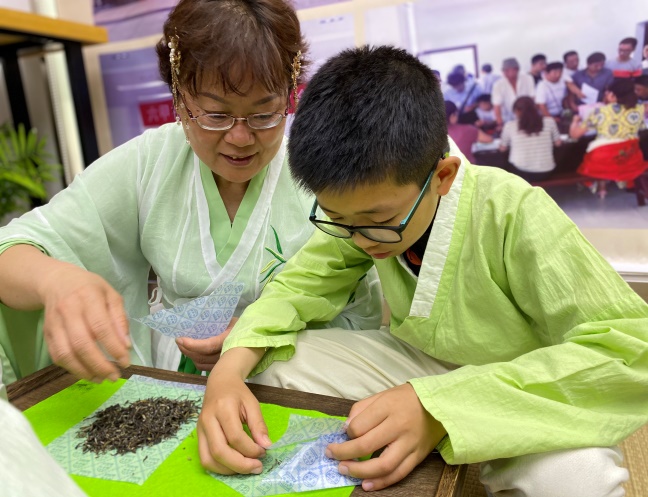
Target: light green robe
x,y
553,343
150,202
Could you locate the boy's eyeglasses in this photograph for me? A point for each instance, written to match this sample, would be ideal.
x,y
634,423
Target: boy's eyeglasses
x,y
223,122
380,234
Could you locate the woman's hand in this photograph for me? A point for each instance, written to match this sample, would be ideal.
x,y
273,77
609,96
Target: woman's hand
x,y
84,316
224,446
204,352
396,420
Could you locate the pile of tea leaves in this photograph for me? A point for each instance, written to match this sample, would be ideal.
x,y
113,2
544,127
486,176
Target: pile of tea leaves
x,y
126,428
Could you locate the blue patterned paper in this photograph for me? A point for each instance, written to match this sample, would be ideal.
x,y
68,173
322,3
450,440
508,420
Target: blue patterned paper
x,y
203,317
296,462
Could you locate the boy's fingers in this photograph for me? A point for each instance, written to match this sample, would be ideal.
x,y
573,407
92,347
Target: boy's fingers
x,y
237,438
257,426
363,446
217,456
367,420
360,406
396,474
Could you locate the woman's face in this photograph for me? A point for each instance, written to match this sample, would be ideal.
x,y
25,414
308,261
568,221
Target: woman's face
x,y
236,155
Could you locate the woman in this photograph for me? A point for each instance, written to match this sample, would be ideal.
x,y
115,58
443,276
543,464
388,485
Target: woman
x,y
531,138
464,135
205,202
614,154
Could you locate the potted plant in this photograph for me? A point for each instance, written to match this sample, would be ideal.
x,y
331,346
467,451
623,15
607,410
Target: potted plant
x,y
25,166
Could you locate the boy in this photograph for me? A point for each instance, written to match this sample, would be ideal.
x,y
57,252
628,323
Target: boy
x,y
485,113
542,345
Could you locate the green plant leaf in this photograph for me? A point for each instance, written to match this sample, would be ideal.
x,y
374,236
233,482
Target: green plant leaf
x,y
278,256
268,266
271,271
34,189
25,166
277,240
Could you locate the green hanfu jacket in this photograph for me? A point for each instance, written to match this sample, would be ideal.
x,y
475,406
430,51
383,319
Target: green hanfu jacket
x,y
552,342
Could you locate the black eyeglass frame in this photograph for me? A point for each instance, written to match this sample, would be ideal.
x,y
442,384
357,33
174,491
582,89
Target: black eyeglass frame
x,y
362,229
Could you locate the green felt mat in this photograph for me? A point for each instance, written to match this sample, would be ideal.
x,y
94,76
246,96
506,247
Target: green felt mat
x,y
180,474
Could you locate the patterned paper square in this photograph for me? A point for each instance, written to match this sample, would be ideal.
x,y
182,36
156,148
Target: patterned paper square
x,y
132,467
203,317
296,462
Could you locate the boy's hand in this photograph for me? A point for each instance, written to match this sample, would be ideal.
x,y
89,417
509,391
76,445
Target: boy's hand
x,y
224,446
204,352
396,420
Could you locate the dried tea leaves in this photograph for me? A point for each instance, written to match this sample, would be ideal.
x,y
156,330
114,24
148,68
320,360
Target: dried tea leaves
x,y
137,424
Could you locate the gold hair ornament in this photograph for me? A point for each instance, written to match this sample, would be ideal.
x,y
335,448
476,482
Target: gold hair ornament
x,y
174,59
296,71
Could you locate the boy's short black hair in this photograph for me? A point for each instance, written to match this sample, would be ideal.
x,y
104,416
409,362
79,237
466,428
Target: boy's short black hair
x,y
554,66
538,57
487,68
368,115
484,97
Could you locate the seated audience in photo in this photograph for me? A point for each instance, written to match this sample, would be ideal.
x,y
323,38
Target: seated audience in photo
x,y
506,90
550,92
571,61
437,75
464,135
487,79
538,65
614,154
530,139
486,119
595,75
461,93
624,66
461,69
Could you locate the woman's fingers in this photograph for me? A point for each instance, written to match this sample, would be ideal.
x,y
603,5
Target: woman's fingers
x,y
101,320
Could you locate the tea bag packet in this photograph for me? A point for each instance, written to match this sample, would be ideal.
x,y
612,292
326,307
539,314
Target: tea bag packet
x,y
296,462
202,317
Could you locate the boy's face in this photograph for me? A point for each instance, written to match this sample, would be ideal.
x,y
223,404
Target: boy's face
x,y
554,75
387,204
485,106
